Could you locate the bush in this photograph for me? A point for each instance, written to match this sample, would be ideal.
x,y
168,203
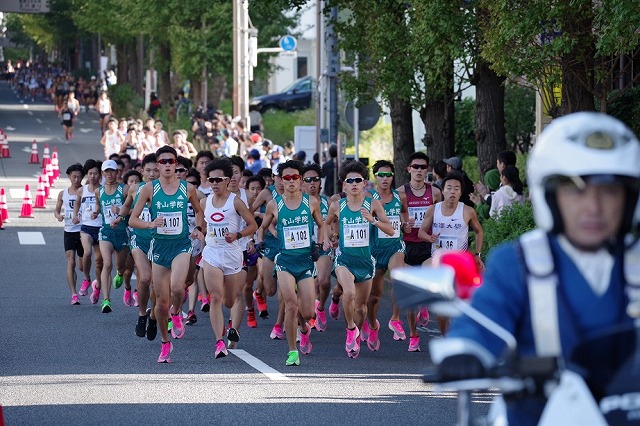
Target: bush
x,y
513,221
279,125
125,102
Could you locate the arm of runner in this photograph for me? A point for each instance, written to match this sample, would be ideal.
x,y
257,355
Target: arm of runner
x,y
76,207
134,219
380,220
56,211
269,216
317,216
199,211
245,214
427,222
332,215
474,224
128,202
437,194
98,209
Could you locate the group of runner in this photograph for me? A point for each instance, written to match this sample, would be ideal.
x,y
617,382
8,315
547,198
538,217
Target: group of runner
x,y
213,231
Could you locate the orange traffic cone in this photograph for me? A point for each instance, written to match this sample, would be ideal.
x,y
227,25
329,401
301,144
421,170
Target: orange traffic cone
x,y
50,174
41,199
45,180
1,229
4,211
55,163
46,155
35,158
27,206
4,145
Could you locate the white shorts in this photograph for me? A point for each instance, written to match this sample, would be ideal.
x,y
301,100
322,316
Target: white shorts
x,y
230,261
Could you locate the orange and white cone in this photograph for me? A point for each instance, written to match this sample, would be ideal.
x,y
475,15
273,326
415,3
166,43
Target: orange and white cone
x,y
4,145
4,211
41,199
45,180
46,155
35,158
50,174
55,164
27,206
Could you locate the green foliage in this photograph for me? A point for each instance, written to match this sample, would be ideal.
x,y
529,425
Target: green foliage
x,y
279,125
513,221
125,102
520,116
465,127
627,108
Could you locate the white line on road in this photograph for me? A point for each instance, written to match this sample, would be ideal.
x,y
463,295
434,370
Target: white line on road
x,y
31,238
258,365
38,120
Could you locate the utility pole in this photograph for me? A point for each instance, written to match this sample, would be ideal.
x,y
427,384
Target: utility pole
x,y
241,60
333,66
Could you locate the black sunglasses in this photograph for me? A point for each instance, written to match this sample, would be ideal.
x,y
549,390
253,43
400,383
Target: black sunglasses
x,y
312,179
181,170
354,180
167,161
419,166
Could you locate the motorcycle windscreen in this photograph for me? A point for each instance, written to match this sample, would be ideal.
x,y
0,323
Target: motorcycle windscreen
x,y
610,364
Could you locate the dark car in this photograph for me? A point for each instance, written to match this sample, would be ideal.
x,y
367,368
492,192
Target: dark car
x,y
298,95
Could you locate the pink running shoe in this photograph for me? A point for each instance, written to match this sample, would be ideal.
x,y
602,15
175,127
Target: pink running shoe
x,y
135,298
398,331
277,333
373,342
422,319
177,331
126,297
364,332
414,344
165,352
321,318
83,288
305,341
334,310
221,349
75,300
351,343
205,304
95,293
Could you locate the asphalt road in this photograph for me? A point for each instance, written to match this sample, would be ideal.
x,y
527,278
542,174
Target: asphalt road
x,y
71,365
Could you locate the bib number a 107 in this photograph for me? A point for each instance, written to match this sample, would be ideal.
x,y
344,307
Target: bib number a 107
x,y
171,223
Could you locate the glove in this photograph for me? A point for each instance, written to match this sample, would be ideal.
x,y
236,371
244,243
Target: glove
x,y
461,367
260,248
315,252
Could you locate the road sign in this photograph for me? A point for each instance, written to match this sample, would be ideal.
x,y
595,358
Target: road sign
x,y
288,43
288,54
25,6
368,115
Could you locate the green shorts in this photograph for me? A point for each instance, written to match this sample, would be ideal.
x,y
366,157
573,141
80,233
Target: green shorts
x,y
118,237
271,247
140,243
382,255
300,266
162,252
362,268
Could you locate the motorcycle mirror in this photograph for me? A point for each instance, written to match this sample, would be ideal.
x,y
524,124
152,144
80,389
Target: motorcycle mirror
x,y
416,286
467,276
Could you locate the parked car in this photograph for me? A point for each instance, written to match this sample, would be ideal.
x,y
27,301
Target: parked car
x,y
298,95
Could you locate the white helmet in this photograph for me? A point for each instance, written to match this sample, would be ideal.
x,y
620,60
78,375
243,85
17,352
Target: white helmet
x,y
583,145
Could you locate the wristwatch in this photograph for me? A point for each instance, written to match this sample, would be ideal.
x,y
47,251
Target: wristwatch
x,y
199,228
238,235
479,254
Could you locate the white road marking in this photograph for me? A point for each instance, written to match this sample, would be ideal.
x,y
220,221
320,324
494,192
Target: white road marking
x,y
86,130
9,128
258,365
38,120
31,238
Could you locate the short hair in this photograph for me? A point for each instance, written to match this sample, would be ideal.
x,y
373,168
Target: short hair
x,y
440,168
333,150
236,160
265,172
204,153
91,164
313,167
149,158
114,156
193,173
125,156
454,175
77,167
247,173
167,150
353,167
507,157
130,173
290,164
258,179
419,155
119,162
223,164
383,163
184,161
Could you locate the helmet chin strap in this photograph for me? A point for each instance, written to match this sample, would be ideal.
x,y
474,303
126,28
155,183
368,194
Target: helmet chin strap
x,y
610,244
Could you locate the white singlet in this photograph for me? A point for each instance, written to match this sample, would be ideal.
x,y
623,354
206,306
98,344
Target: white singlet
x,y
453,231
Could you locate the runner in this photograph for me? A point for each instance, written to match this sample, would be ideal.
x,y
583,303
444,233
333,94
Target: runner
x,y
293,213
354,266
72,243
171,248
113,235
254,184
131,178
222,255
85,205
197,285
202,159
104,109
112,140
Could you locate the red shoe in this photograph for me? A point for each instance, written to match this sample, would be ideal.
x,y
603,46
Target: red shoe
x,y
251,318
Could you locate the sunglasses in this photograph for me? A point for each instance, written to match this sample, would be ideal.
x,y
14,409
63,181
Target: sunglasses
x,y
181,170
312,179
192,182
291,177
419,166
167,161
217,179
354,180
384,174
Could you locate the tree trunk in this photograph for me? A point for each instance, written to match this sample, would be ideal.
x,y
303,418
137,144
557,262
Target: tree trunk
x,y
490,127
402,135
217,87
132,60
438,117
163,66
139,76
123,63
196,92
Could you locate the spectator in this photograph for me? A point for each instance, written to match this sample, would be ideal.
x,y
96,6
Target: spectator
x,y
509,193
329,172
439,172
254,163
455,164
491,183
300,156
154,105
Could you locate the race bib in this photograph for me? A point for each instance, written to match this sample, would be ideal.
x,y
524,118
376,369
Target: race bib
x,y
356,234
86,214
68,217
447,242
109,214
296,237
395,221
145,215
216,231
66,116
417,213
171,223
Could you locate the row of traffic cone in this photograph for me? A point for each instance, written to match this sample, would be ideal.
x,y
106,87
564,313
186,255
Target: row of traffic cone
x,y
4,145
